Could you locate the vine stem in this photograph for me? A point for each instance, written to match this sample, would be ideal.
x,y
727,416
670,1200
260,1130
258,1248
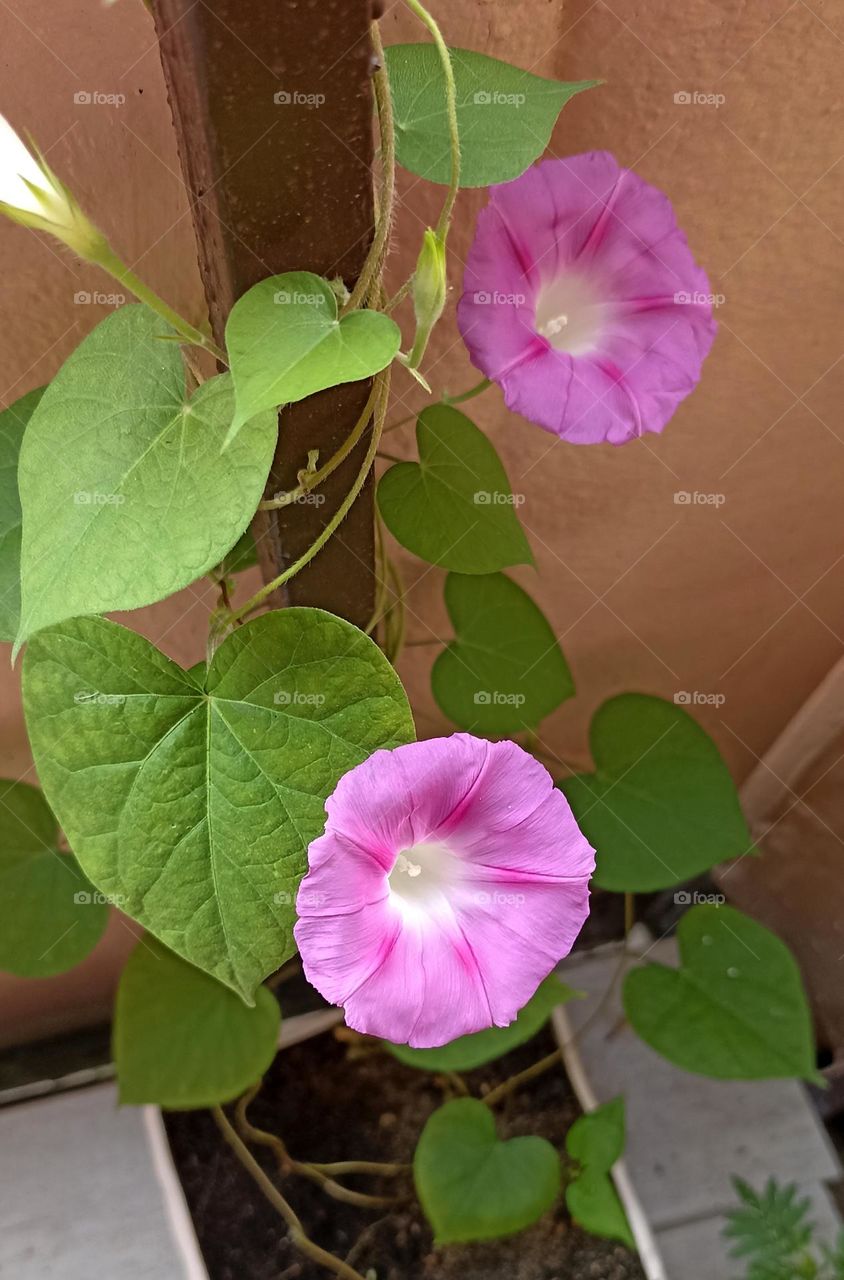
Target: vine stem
x,y
470,394
313,480
449,400
451,112
522,1077
115,266
340,1167
383,586
373,265
340,514
287,1163
271,1191
396,619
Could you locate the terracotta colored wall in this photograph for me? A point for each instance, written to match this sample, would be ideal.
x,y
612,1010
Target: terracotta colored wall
x,y
744,599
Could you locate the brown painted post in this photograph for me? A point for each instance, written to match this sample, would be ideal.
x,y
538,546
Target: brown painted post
x,y
272,104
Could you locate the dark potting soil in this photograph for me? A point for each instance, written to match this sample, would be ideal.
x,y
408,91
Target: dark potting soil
x,y
328,1106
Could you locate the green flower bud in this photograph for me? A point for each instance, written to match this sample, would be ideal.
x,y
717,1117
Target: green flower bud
x,y
430,286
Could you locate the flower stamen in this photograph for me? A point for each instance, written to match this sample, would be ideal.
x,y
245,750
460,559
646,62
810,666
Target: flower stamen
x,y
403,863
570,315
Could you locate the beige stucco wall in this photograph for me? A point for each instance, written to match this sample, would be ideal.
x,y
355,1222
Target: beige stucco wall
x,y
745,599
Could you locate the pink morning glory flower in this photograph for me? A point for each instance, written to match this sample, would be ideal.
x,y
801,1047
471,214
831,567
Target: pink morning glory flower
x,y
450,880
583,301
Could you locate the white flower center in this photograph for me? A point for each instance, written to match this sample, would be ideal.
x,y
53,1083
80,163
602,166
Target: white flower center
x,y
422,873
570,314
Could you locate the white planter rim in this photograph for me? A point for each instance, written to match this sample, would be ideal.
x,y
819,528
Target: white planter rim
x,y
649,1254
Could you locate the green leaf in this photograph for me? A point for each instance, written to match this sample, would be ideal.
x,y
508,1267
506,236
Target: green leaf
x,y
285,341
50,915
125,496
735,1009
243,555
505,115
197,807
593,1202
13,423
504,671
661,806
454,507
181,1039
473,1187
468,1052
596,1140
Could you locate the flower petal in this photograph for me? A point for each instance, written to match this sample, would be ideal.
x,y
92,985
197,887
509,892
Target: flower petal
x,y
519,932
427,991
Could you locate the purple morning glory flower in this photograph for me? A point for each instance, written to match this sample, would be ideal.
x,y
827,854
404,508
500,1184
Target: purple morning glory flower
x,y
450,880
583,301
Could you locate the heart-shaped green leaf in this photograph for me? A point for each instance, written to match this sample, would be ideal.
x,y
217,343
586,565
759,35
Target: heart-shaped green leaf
x,y
504,671
596,1140
735,1009
50,915
468,1052
183,1040
661,806
13,423
473,1187
454,507
285,341
125,496
505,115
593,1202
196,803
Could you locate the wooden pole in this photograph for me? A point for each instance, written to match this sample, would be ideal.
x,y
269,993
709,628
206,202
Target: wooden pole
x,y
272,104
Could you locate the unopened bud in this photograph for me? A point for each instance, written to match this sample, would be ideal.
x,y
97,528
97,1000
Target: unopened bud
x,y
430,286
